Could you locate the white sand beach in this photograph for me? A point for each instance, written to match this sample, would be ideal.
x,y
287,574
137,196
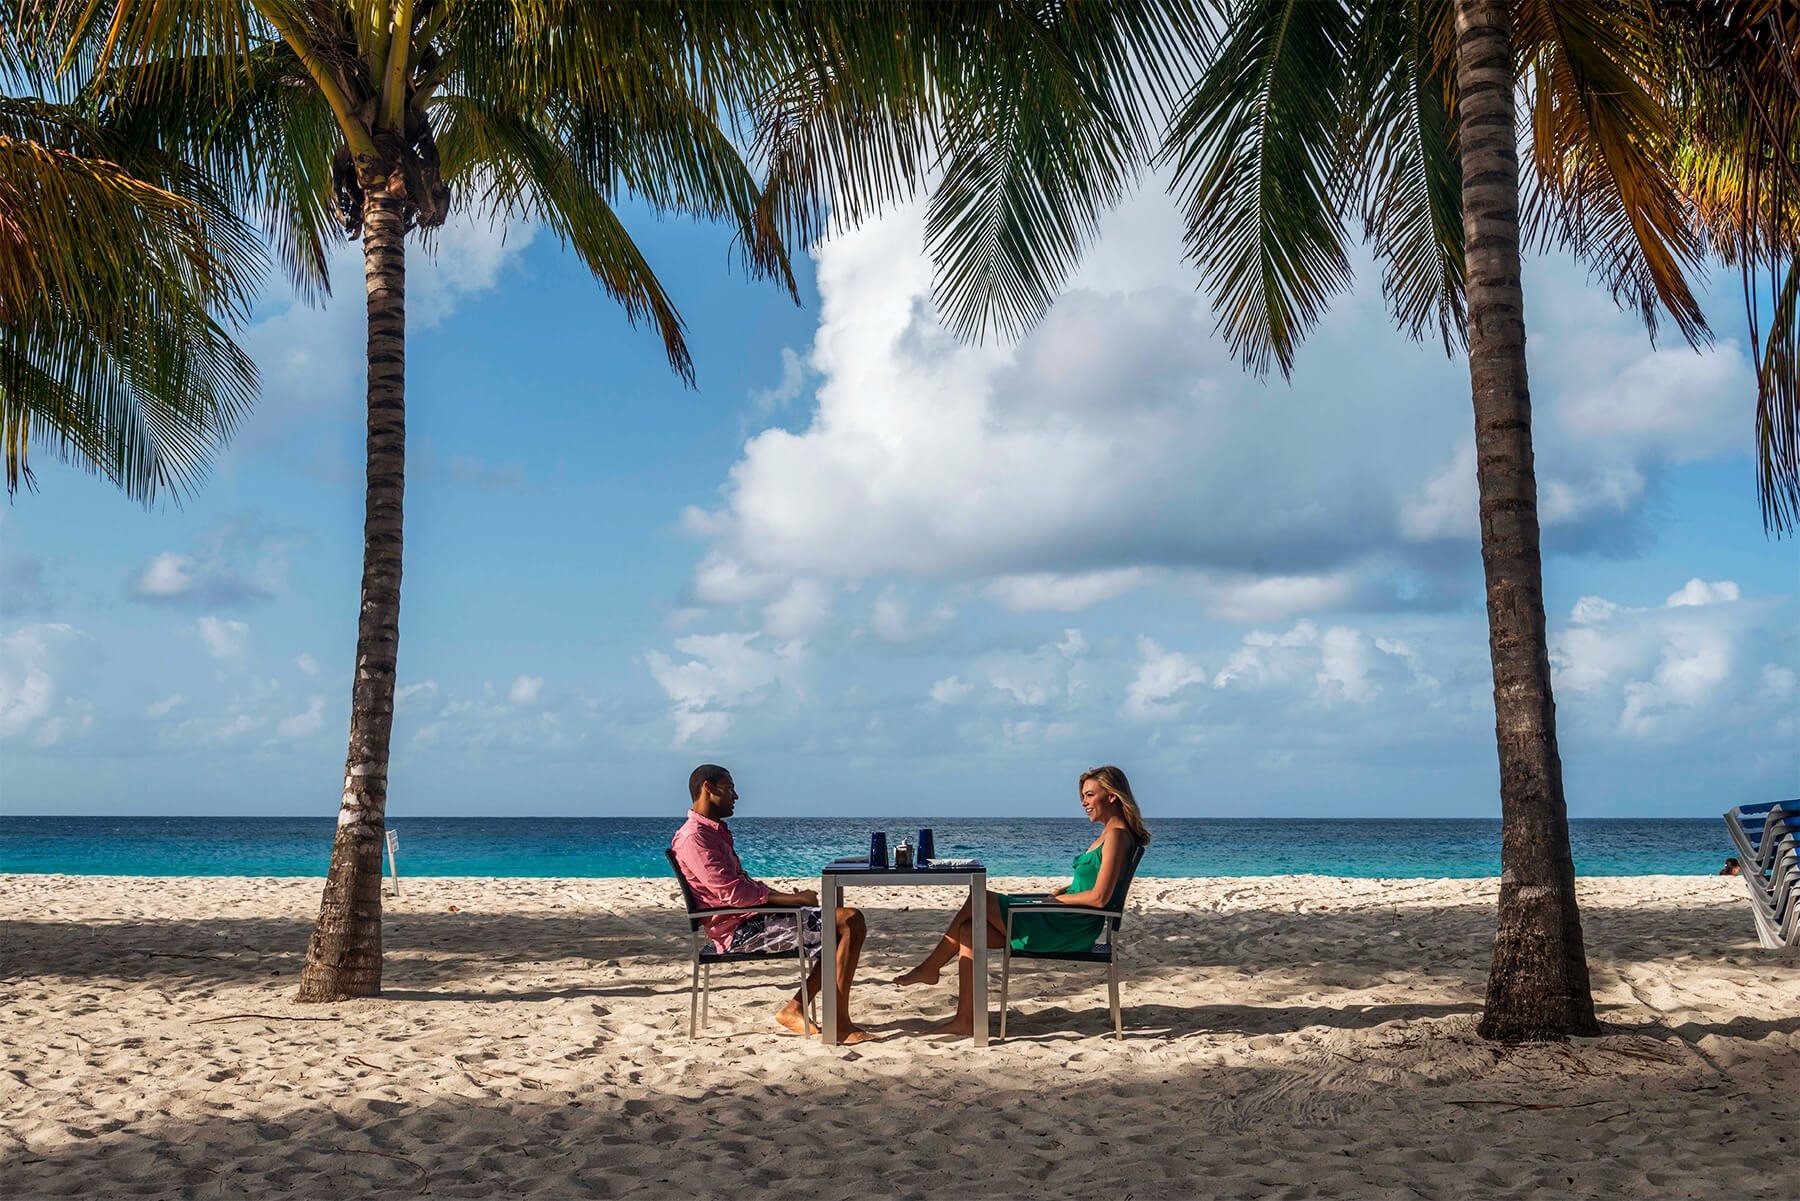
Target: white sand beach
x,y
1286,1037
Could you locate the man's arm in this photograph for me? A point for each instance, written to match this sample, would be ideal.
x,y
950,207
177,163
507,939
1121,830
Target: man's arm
x,y
806,896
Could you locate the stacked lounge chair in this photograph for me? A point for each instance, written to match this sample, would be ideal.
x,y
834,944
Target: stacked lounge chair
x,y
1766,836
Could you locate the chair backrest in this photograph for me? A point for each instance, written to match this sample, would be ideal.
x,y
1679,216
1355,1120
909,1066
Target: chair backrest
x,y
1117,900
687,891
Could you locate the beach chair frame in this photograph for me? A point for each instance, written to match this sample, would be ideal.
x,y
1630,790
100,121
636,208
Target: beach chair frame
x,y
703,955
1105,950
1767,837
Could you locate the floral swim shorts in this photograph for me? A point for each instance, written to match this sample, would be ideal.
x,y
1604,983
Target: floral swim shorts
x,y
775,932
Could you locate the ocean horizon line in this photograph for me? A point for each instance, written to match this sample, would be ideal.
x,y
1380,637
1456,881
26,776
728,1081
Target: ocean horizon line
x,y
776,845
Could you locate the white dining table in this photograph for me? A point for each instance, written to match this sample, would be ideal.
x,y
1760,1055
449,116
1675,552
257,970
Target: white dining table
x,y
832,882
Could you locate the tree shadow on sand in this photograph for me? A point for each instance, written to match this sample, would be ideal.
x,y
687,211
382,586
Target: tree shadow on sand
x,y
840,1126
427,952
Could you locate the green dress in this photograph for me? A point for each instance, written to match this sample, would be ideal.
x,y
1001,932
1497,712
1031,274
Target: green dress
x,y
1054,932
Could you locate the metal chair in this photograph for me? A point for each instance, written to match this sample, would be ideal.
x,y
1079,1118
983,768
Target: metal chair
x,y
1105,950
704,955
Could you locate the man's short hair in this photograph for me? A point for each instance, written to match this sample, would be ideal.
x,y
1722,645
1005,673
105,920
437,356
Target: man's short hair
x,y
706,773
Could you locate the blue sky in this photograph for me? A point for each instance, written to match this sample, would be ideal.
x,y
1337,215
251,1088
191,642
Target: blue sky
x,y
879,572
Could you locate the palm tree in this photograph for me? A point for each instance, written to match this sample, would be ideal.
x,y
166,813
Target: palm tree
x,y
1538,984
383,117
1401,113
117,265
1404,114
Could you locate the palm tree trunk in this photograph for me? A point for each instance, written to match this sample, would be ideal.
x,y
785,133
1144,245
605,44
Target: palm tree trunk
x,y
344,957
1538,984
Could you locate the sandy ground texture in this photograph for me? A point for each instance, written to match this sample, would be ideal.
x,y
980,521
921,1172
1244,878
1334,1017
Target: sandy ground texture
x,y
1286,1037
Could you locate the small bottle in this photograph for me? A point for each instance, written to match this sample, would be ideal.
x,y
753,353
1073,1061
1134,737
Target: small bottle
x,y
903,855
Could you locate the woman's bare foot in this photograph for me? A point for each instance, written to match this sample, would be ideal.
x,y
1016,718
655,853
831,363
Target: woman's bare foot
x,y
960,1026
919,975
795,1019
856,1034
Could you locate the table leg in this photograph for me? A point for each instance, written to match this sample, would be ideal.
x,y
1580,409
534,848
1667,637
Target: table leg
x,y
978,947
828,1002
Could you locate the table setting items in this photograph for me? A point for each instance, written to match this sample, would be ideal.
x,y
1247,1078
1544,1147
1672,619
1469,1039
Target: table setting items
x,y
907,856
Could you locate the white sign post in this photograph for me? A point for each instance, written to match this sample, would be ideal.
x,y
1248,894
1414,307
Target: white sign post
x,y
393,851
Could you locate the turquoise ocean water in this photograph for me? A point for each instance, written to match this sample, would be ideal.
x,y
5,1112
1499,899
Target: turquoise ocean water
x,y
601,846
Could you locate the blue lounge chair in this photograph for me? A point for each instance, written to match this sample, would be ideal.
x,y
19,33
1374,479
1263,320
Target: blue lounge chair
x,y
1105,951
1767,837
703,955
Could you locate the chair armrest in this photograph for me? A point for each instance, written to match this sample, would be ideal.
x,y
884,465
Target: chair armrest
x,y
1055,907
749,909
1059,907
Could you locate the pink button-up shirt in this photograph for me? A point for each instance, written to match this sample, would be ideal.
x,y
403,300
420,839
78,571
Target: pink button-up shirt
x,y
705,853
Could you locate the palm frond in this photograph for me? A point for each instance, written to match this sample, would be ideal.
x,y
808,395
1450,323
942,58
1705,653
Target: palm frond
x,y
1602,144
104,37
844,133
1042,132
509,164
1778,408
1255,147
114,260
1405,168
145,399
670,152
1730,67
268,141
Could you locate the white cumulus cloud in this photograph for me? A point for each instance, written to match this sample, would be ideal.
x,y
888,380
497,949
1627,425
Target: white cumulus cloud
x,y
28,685
1046,591
231,563
1689,664
718,673
1700,592
167,574
223,638
1160,676
165,706
949,690
891,619
801,609
1120,447
299,725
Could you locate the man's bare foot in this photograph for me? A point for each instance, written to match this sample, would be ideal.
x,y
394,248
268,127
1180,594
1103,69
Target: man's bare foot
x,y
856,1034
795,1019
919,975
959,1026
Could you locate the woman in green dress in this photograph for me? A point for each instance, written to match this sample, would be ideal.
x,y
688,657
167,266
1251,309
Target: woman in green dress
x,y
1106,799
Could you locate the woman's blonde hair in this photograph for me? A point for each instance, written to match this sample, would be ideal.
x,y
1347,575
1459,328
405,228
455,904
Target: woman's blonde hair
x,y
1119,788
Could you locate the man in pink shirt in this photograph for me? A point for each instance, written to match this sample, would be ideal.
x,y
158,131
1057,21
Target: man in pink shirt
x,y
708,860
